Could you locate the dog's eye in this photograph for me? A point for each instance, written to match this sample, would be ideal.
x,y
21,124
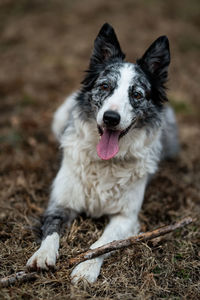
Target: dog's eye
x,y
105,87
137,95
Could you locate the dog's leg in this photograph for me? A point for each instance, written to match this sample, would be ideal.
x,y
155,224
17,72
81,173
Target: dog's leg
x,y
66,192
52,226
120,226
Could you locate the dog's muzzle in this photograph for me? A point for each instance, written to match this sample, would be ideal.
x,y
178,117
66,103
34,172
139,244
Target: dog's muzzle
x,y
108,145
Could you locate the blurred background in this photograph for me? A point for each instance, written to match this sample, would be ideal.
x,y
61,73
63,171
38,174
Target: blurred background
x,y
44,49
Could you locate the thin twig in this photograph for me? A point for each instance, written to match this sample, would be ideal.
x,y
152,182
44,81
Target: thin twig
x,y
120,244
25,276
18,277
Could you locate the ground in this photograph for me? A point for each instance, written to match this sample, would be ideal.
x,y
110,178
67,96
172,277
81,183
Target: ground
x,y
44,49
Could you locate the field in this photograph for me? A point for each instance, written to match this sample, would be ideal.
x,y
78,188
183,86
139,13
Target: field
x,y
44,48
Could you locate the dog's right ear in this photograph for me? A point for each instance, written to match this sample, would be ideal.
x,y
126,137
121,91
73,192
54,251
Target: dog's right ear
x,y
156,59
106,46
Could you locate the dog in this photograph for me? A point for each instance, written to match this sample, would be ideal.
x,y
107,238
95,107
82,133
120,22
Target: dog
x,y
113,133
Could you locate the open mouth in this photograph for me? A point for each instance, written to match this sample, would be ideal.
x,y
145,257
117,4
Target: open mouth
x,y
108,145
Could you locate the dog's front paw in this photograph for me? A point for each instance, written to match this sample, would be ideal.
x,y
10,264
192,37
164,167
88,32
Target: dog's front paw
x,y
88,270
42,259
45,257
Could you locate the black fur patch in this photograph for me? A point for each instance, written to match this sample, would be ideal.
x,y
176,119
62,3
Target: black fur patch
x,y
106,47
154,64
107,51
54,221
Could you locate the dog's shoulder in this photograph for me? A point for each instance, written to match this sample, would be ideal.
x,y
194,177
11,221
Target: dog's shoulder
x,y
63,116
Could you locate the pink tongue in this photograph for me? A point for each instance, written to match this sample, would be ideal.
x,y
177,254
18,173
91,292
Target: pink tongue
x,y
108,145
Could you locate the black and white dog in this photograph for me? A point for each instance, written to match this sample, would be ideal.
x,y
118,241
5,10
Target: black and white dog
x,y
113,133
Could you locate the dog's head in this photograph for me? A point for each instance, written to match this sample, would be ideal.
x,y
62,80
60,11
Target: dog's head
x,y
122,96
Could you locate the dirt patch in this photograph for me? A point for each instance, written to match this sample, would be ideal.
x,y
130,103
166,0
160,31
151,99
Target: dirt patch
x,y
45,46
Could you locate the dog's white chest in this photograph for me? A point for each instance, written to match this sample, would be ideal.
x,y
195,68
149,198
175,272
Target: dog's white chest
x,y
99,187
104,186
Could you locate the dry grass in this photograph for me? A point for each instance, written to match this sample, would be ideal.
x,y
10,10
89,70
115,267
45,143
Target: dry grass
x,y
44,48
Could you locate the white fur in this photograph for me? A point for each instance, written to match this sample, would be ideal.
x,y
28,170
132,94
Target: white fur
x,y
116,187
45,257
119,101
87,183
95,186
88,270
62,115
120,226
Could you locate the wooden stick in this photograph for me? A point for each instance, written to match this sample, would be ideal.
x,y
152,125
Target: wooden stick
x,y
120,244
24,276
19,277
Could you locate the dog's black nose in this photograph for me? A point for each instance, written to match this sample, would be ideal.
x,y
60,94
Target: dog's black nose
x,y
111,118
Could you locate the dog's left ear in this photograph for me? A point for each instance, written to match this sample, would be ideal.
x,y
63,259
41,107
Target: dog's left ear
x,y
106,46
156,59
